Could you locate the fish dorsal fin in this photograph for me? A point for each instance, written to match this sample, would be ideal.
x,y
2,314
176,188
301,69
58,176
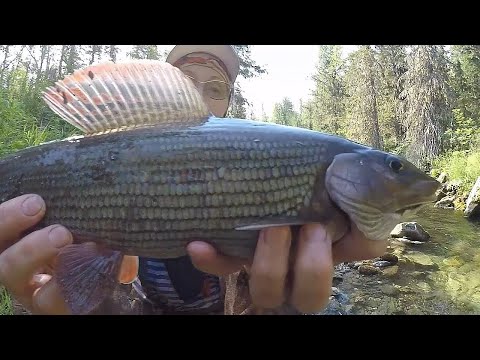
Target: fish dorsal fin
x,y
135,93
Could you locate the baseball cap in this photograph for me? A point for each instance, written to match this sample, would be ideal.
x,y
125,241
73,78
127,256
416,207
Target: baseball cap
x,y
225,53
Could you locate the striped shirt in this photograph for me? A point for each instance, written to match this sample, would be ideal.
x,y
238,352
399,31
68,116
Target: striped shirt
x,y
185,290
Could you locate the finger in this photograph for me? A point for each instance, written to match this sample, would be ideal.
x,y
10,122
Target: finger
x,y
17,215
205,258
48,299
21,261
313,269
270,267
355,246
37,281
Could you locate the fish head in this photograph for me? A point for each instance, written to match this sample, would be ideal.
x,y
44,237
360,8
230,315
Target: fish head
x,y
375,188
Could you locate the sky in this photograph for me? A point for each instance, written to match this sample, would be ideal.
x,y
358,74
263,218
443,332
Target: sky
x,y
289,67
289,70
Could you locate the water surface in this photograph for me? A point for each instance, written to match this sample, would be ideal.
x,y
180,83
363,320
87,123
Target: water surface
x,y
441,276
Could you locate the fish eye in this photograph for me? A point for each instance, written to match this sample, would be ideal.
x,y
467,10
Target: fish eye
x,y
395,165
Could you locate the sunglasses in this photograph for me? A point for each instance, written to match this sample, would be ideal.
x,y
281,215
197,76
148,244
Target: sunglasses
x,y
214,89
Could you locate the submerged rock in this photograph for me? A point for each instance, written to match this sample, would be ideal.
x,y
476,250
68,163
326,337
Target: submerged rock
x,y
453,261
390,271
419,258
467,267
368,270
341,297
414,311
453,284
337,280
356,265
387,307
385,260
391,258
381,263
389,290
424,286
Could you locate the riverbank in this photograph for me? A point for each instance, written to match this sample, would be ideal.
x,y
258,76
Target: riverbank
x,y
459,173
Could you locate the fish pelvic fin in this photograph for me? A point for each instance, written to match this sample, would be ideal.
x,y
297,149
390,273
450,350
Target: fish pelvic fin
x,y
129,269
87,274
117,96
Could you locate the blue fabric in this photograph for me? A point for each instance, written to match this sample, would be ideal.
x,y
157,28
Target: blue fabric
x,y
177,285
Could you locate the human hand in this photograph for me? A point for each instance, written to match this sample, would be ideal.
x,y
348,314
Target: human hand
x,y
311,282
25,262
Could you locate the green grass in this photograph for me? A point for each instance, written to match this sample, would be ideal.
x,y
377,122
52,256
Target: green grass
x,y
30,134
6,305
460,165
23,125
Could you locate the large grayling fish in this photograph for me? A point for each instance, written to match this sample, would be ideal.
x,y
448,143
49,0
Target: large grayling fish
x,y
155,171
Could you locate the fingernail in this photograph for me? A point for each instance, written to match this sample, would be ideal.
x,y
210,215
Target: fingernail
x,y
41,278
59,236
32,205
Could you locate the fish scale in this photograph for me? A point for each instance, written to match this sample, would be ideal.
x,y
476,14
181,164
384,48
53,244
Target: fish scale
x,y
138,194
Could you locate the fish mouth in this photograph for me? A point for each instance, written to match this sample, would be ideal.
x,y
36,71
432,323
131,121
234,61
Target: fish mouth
x,y
413,201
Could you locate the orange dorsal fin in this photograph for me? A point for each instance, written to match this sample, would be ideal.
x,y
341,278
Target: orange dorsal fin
x,y
111,96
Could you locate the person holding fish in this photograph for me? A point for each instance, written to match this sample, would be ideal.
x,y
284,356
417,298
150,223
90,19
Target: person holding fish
x,y
282,272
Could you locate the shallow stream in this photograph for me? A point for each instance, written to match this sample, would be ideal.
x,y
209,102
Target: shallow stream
x,y
441,276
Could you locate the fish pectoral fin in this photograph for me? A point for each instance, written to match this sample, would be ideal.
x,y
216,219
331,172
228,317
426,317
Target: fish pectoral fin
x,y
128,269
271,223
86,274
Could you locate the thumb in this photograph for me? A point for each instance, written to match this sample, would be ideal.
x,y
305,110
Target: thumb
x,y
47,299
